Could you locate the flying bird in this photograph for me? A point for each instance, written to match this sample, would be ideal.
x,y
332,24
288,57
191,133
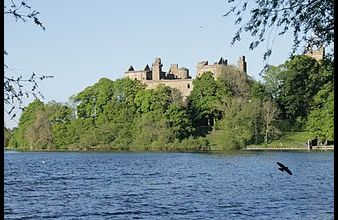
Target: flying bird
x,y
284,168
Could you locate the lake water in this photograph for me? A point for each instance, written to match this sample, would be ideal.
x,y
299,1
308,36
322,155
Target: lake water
x,y
248,185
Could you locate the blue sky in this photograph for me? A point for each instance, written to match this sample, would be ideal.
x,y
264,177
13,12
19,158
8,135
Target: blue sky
x,y
87,40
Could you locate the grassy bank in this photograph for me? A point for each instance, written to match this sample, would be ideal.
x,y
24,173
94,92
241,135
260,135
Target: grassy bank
x,y
288,140
291,140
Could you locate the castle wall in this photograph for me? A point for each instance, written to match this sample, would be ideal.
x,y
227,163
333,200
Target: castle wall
x,y
139,75
183,85
215,69
183,73
173,69
179,78
178,73
317,54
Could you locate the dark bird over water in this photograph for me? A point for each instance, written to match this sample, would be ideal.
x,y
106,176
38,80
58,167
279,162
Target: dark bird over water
x,y
284,168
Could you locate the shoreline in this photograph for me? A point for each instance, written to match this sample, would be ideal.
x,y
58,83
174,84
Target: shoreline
x,y
315,148
323,148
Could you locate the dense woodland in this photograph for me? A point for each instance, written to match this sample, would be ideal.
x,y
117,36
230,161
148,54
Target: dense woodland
x,y
124,115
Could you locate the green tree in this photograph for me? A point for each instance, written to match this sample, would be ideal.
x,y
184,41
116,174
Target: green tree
x,y
157,99
238,123
258,94
27,118
311,22
179,121
61,113
321,118
145,101
118,104
39,135
108,110
270,113
234,79
273,81
151,131
61,119
91,101
7,136
297,87
79,132
256,105
161,113
293,84
206,101
125,91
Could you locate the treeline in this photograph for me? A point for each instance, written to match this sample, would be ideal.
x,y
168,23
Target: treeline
x,y
124,115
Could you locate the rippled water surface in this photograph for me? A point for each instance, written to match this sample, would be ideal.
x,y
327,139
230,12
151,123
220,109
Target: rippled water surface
x,y
168,185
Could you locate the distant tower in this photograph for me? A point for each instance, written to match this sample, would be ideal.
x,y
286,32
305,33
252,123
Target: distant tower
x,y
317,54
157,69
242,64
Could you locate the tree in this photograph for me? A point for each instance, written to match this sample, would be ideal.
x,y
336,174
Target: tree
x,y
151,131
78,132
92,100
311,21
270,113
237,81
273,81
207,99
15,86
146,101
7,136
39,135
297,88
60,120
27,119
172,121
258,94
159,98
22,11
107,109
119,102
179,121
238,123
258,90
321,117
293,84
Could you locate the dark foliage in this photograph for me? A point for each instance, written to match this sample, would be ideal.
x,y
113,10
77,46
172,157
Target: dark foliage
x,y
311,21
